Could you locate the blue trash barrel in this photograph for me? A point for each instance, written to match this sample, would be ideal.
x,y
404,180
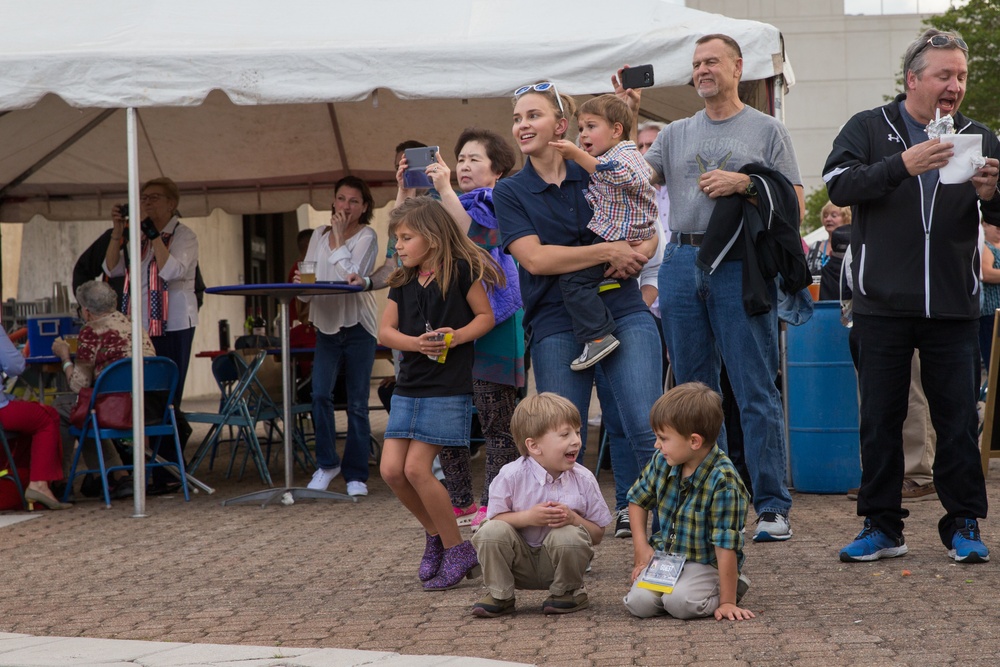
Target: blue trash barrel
x,y
824,443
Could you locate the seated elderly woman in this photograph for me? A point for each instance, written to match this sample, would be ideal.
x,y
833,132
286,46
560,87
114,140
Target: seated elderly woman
x,y
826,256
37,421
105,338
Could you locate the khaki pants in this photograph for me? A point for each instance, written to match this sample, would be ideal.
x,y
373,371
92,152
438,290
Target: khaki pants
x,y
919,438
509,562
696,595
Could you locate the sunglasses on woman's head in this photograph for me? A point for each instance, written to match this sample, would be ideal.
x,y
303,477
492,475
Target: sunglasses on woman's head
x,y
542,87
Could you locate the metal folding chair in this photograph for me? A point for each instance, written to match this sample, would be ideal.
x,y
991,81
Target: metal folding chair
x,y
159,377
234,411
265,409
10,472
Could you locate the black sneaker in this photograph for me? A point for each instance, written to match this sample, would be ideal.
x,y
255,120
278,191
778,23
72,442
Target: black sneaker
x,y
121,488
622,526
91,487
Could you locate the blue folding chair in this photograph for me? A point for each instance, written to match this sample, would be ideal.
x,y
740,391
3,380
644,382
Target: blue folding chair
x,y
159,376
227,377
234,411
264,408
10,472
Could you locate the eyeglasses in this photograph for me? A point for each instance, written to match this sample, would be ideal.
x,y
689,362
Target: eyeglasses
x,y
151,199
943,41
542,87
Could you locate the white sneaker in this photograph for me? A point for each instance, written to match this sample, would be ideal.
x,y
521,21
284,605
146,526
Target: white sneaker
x,y
772,527
357,489
322,478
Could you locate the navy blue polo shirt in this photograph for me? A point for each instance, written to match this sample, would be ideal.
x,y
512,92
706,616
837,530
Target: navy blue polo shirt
x,y
558,215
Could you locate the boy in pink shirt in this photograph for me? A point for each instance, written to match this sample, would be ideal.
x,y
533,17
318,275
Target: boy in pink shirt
x,y
545,515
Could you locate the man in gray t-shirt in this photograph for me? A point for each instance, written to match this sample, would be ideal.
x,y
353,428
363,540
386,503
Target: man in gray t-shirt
x,y
704,322
687,150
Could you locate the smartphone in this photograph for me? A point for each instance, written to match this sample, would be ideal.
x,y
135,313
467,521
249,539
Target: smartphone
x,y
417,161
640,76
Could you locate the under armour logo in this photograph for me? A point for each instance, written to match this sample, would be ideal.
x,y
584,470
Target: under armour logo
x,y
893,137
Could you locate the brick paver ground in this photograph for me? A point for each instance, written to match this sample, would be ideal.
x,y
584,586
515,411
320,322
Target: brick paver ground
x,y
334,574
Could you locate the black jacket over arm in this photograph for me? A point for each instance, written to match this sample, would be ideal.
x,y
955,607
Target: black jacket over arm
x,y
765,235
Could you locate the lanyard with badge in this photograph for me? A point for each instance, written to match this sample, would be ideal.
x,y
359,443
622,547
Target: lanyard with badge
x,y
664,568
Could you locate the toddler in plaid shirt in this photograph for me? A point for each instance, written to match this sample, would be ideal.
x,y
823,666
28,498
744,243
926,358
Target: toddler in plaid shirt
x,y
624,204
701,505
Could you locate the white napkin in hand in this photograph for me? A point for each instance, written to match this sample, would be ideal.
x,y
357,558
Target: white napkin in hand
x,y
968,157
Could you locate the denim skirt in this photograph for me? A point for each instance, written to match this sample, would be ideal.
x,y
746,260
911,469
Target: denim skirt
x,y
439,420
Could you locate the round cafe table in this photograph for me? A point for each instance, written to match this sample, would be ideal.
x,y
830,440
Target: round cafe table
x,y
284,293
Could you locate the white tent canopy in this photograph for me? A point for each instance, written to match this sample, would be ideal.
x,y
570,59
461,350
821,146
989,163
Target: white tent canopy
x,y
259,106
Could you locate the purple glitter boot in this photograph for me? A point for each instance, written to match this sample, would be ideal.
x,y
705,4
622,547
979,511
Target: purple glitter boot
x,y
460,562
431,561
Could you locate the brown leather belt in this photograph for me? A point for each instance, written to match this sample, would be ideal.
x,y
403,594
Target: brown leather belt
x,y
684,238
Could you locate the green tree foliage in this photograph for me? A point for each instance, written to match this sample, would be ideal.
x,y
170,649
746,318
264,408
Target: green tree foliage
x,y
815,201
978,22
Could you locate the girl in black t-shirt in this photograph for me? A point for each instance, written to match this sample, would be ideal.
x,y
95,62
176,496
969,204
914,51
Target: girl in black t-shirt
x,y
437,307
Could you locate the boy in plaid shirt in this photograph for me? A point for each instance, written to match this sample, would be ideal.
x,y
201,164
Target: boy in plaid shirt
x,y
701,504
624,204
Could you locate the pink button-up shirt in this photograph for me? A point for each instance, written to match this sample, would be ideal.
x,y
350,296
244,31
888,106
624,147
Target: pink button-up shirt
x,y
522,484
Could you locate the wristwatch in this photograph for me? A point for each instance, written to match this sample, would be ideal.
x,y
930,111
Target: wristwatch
x,y
751,190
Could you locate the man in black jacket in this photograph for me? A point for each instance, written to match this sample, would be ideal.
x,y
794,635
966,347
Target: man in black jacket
x,y
914,258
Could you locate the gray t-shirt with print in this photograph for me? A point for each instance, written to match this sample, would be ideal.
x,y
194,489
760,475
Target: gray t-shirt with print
x,y
687,148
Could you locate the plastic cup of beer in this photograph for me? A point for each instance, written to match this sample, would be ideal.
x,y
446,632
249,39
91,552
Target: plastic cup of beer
x,y
74,343
307,272
814,289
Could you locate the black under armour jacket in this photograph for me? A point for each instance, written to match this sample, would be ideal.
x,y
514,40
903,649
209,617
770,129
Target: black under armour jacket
x,y
764,235
903,264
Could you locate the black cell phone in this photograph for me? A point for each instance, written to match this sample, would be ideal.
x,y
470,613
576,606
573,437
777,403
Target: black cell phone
x,y
123,210
640,76
417,161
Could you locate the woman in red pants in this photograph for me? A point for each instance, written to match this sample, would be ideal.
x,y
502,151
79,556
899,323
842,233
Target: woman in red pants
x,y
39,422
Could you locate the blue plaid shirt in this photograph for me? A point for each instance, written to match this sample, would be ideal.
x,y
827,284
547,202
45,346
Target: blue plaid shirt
x,y
696,513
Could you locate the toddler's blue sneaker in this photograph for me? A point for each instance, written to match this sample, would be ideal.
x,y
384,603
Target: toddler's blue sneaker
x,y
872,544
967,545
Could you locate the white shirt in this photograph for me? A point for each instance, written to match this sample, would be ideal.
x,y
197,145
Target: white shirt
x,y
178,273
649,275
332,313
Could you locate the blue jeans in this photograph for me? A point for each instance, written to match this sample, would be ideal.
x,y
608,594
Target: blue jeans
x,y
624,463
630,384
704,322
357,348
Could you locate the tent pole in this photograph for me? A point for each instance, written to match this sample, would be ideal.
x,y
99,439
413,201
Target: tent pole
x,y
135,304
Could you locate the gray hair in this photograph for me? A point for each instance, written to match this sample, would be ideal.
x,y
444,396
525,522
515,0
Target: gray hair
x,y
98,297
650,125
915,58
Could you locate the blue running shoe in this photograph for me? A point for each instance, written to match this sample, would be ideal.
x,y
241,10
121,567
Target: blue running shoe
x,y
872,544
967,545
